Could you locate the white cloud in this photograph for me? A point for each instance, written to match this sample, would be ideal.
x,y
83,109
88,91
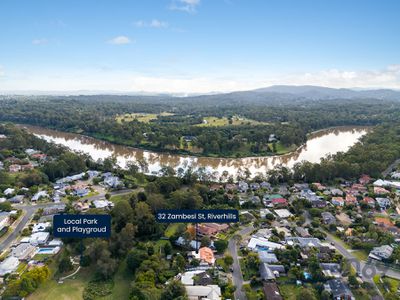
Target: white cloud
x,y
120,40
39,41
110,79
152,24
388,77
184,5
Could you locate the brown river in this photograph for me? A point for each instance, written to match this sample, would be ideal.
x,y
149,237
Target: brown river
x,y
319,145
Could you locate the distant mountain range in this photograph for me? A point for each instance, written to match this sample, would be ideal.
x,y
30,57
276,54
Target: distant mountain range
x,y
318,92
268,94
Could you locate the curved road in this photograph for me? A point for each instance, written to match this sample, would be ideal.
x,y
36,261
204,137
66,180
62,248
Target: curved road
x,y
29,212
367,269
237,275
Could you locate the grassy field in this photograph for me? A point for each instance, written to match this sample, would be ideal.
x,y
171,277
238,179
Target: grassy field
x,y
388,284
71,289
360,254
141,117
215,122
122,281
173,228
289,291
281,149
117,198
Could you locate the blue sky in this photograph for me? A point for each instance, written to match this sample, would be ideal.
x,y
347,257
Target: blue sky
x,y
195,46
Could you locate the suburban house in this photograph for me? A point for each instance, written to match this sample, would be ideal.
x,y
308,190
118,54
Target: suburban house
x,y
266,257
259,243
331,270
39,227
350,199
243,186
55,209
81,192
211,229
381,253
339,290
302,232
267,198
16,199
71,178
336,192
39,195
380,191
265,185
112,181
264,212
14,168
328,218
383,203
8,191
9,265
271,272
230,187
39,238
255,186
4,219
209,292
283,213
304,242
271,291
184,243
24,251
369,201
364,179
383,222
103,204
205,255
279,202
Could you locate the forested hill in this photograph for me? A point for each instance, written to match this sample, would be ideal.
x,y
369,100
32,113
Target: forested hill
x,y
232,125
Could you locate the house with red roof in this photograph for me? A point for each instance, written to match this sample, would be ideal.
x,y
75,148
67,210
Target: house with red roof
x,y
14,168
364,179
380,190
369,201
211,229
279,202
338,201
350,199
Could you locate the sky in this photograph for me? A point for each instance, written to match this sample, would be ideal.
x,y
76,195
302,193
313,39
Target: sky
x,y
197,46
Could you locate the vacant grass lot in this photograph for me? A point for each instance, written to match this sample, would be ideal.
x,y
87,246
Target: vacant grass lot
x,y
141,117
215,122
72,289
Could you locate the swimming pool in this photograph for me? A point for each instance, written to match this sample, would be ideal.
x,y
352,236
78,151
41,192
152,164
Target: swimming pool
x,y
48,250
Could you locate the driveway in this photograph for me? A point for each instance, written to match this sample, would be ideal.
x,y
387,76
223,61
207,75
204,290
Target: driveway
x,y
237,275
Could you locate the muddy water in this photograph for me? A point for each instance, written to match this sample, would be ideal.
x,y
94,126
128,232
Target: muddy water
x,y
319,144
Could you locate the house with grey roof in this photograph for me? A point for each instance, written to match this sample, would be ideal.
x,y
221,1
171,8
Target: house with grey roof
x,y
383,252
267,257
339,290
24,251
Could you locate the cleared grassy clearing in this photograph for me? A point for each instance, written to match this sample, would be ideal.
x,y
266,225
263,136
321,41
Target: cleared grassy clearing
x,y
224,121
141,117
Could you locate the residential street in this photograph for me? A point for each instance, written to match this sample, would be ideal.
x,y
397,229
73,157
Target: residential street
x,y
367,270
237,275
29,212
